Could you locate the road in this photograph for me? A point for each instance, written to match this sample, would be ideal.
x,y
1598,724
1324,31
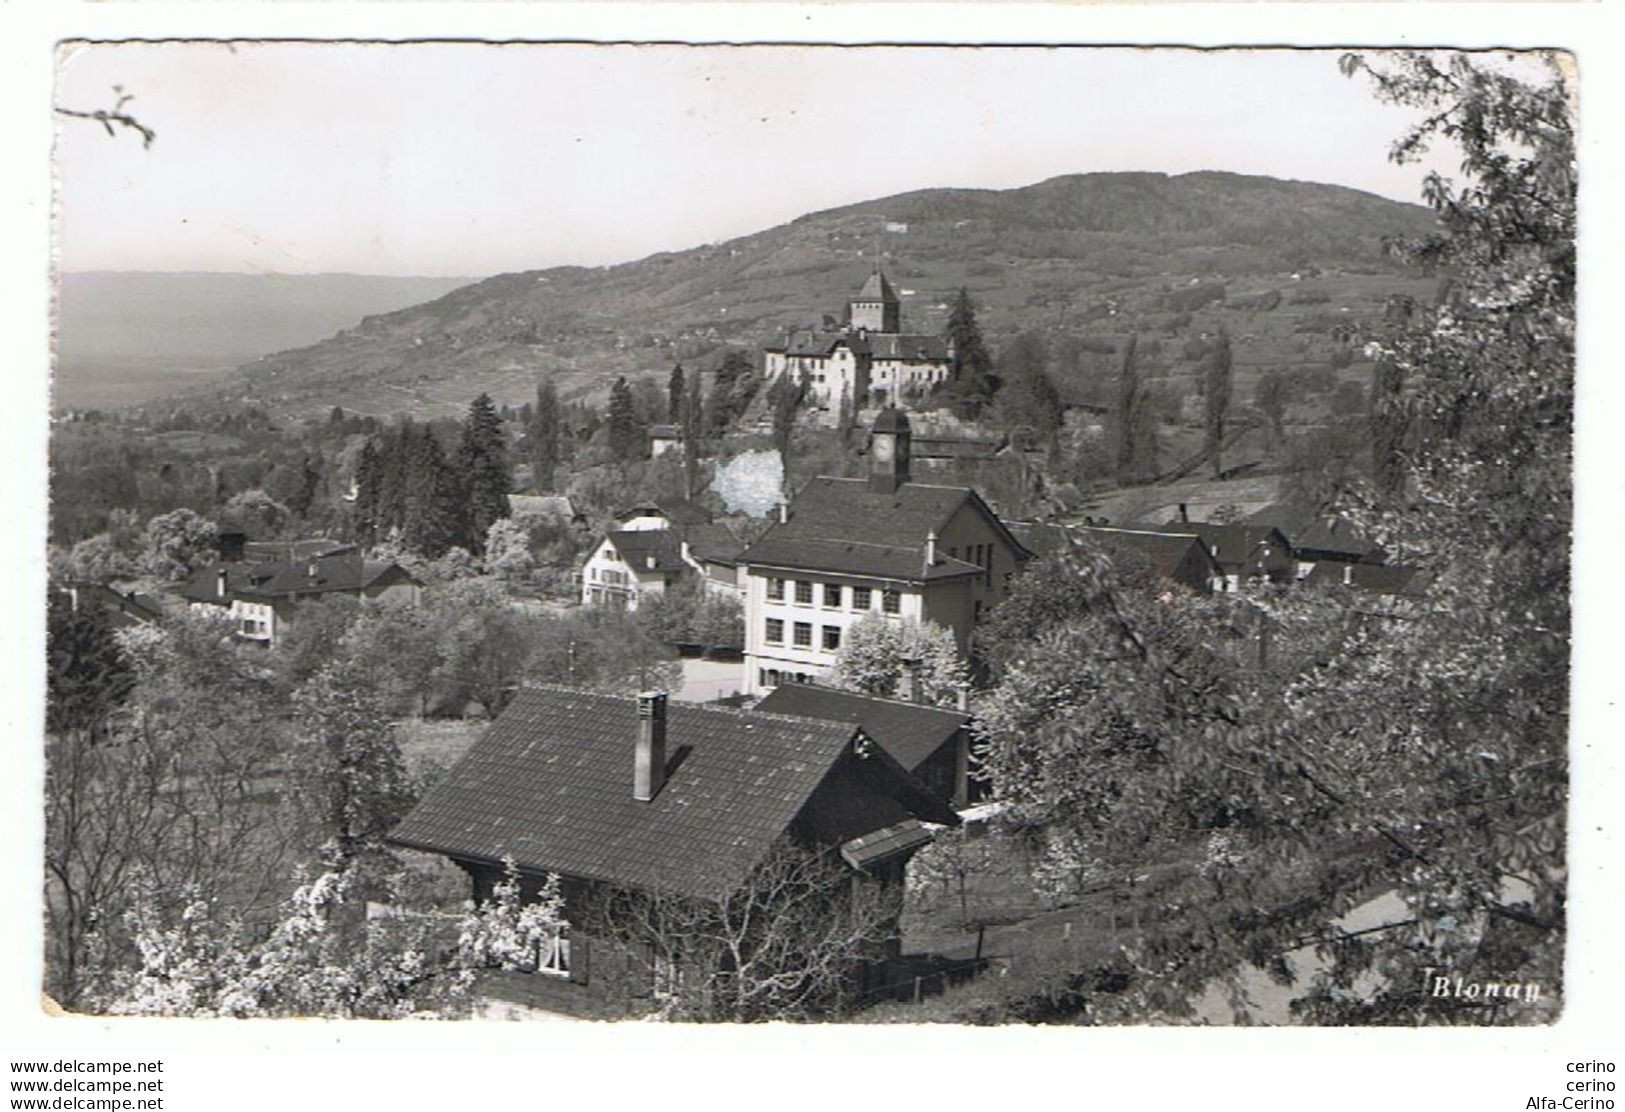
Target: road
x,y
705,681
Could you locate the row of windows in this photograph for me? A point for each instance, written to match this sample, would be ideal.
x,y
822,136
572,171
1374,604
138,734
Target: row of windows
x,y
772,677
982,556
891,602
802,635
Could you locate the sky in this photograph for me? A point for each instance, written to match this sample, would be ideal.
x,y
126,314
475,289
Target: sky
x,y
473,159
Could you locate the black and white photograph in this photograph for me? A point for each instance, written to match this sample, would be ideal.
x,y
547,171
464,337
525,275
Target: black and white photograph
x,y
858,536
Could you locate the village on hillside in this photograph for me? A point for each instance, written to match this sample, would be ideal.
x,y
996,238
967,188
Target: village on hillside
x,y
1203,662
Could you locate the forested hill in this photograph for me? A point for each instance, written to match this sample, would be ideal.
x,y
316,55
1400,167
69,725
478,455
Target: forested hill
x,y
1063,257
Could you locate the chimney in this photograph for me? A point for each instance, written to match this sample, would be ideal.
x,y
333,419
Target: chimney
x,y
931,549
649,752
784,512
1348,575
311,567
649,561
220,583
913,688
962,698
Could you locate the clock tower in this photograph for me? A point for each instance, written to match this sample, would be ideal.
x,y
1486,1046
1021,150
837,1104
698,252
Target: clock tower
x,y
889,451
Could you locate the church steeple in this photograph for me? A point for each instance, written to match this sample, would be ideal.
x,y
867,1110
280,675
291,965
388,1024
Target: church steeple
x,y
876,307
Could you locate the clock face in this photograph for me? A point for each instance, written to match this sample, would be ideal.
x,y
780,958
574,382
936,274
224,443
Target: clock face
x,y
883,448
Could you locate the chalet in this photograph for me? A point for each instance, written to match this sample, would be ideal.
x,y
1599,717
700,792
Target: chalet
x,y
1322,539
608,791
1180,559
261,596
654,547
871,358
1244,552
931,742
843,549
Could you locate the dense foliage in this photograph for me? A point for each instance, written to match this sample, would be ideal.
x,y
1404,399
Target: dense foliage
x,y
890,658
1419,748
787,943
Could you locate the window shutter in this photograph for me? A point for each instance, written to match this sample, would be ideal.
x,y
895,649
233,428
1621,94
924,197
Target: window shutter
x,y
578,959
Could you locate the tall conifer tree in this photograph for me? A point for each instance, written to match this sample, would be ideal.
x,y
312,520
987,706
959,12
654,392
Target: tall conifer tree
x,y
974,381
1217,397
675,393
1130,400
482,460
622,421
546,429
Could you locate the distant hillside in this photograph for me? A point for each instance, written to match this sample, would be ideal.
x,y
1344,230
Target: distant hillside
x,y
125,338
1073,256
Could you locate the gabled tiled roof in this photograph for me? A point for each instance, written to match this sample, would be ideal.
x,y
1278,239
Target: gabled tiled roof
x,y
1377,578
550,783
906,345
840,525
1234,546
271,579
123,608
1332,537
882,561
1166,553
879,345
908,731
808,342
646,550
713,542
678,511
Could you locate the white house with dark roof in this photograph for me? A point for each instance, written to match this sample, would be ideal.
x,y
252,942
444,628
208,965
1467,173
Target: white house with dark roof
x,y
262,596
846,548
652,548
871,359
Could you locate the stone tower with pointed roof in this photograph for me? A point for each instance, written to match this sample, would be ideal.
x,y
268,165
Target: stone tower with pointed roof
x,y
876,307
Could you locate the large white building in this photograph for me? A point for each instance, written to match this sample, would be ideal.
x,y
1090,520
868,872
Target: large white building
x,y
870,360
847,548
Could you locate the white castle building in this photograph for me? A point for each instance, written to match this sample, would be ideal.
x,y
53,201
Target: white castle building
x,y
870,361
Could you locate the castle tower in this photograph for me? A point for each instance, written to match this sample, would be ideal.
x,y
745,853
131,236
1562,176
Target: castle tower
x,y
876,307
889,451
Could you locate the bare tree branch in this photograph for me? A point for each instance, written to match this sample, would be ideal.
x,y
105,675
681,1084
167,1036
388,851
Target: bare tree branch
x,y
108,117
